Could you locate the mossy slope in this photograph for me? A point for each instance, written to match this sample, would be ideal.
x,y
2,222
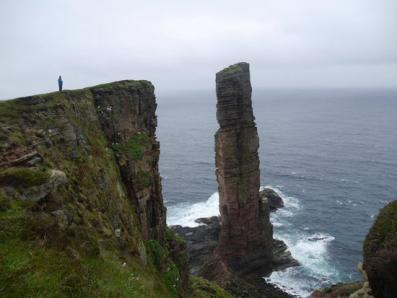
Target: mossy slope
x,y
380,252
90,235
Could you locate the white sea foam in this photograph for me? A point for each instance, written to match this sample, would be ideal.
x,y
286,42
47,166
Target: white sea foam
x,y
310,249
185,215
289,202
316,269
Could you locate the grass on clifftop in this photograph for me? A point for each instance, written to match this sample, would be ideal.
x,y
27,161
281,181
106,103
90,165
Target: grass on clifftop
x,y
30,269
125,83
231,69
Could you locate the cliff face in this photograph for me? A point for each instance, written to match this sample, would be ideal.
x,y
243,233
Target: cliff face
x,y
81,196
380,253
379,267
128,119
246,231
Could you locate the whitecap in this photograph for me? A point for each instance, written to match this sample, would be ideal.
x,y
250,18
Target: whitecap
x,y
289,202
310,249
185,215
285,213
277,224
315,270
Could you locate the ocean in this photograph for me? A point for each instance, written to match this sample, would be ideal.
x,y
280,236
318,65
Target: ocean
x,y
330,153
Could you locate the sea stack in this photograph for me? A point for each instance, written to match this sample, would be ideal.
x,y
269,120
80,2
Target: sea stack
x,y
246,237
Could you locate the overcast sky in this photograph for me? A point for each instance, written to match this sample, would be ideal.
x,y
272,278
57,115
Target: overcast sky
x,y
181,44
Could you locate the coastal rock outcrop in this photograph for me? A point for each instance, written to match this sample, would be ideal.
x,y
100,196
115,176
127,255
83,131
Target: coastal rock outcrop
x,y
379,267
359,289
272,198
128,119
380,253
201,242
246,240
203,239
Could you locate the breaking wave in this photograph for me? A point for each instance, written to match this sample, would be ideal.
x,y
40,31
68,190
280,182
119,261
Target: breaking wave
x,y
309,248
185,215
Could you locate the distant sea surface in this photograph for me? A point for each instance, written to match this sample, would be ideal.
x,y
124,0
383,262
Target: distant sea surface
x,y
331,154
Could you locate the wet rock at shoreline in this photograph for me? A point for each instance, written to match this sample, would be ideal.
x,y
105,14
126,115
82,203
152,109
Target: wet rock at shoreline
x,y
203,239
272,198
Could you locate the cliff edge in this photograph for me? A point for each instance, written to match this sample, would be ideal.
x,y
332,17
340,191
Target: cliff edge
x,y
380,253
81,207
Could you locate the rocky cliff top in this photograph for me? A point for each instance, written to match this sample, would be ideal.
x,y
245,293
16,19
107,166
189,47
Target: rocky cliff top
x,y
233,88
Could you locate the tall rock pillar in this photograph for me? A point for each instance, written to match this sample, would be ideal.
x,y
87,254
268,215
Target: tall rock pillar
x,y
246,233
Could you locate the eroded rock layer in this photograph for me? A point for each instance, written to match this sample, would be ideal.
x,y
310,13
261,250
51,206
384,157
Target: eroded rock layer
x,y
246,231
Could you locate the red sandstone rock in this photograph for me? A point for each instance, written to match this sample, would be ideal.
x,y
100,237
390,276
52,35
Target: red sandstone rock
x,y
128,118
246,232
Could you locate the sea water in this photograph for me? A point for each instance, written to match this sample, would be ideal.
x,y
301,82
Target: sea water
x,y
331,154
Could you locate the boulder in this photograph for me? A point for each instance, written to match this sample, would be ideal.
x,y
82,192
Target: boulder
x,y
272,198
31,184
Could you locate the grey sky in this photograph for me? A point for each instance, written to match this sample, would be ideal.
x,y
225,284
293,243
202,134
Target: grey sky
x,y
181,44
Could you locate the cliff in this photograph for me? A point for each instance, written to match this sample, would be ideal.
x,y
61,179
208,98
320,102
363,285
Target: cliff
x,y
246,236
379,267
380,253
81,208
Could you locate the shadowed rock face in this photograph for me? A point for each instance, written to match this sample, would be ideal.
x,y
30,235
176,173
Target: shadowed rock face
x,y
128,119
246,232
116,119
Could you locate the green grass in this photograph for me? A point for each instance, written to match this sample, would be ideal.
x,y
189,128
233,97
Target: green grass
x,y
136,84
170,235
160,258
137,145
134,148
202,288
231,69
32,270
143,178
383,234
24,177
380,252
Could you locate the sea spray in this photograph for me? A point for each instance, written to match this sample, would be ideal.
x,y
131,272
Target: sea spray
x,y
185,215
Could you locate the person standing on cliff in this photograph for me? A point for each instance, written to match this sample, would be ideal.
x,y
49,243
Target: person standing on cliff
x,y
60,83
